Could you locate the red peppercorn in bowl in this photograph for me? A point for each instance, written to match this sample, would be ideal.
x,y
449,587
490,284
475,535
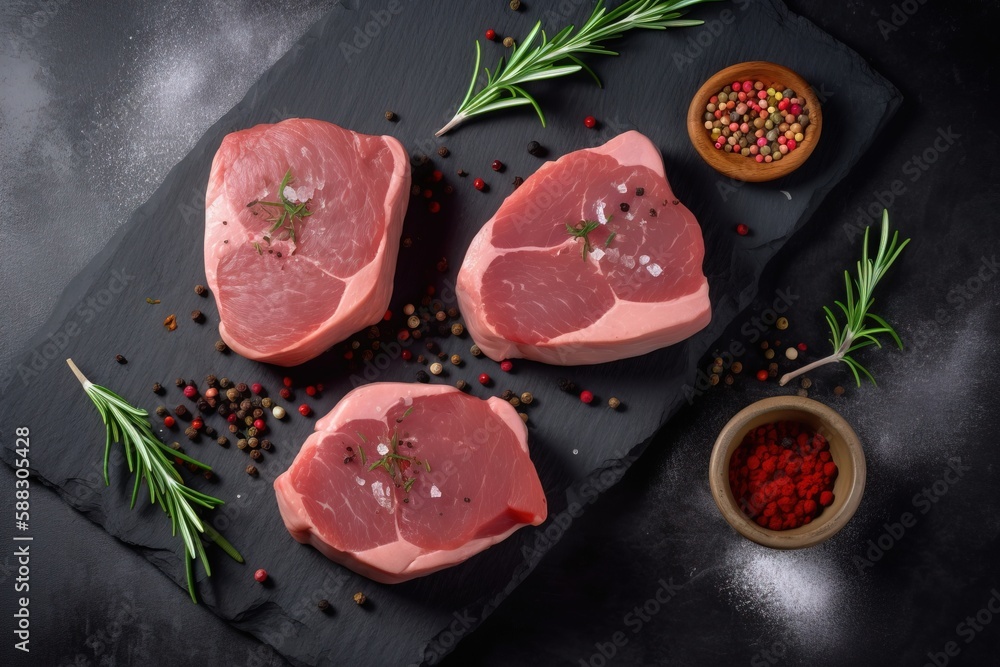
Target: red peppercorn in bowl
x,y
787,472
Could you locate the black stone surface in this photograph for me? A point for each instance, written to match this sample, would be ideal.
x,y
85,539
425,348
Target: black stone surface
x,y
661,526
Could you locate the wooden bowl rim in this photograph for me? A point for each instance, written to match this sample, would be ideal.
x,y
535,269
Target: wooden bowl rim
x,y
834,517
737,166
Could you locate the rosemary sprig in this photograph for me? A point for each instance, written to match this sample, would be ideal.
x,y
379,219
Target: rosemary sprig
x,y
283,214
559,56
582,230
151,460
857,332
390,461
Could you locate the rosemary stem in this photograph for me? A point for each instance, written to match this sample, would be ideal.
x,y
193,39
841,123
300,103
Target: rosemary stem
x,y
453,123
833,358
79,376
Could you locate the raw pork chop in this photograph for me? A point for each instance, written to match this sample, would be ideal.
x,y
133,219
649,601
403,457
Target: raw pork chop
x,y
285,300
395,525
526,288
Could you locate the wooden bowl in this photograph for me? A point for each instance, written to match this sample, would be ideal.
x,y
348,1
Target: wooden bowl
x,y
845,449
735,165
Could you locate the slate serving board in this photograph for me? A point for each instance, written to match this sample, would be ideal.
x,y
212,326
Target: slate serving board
x,y
414,60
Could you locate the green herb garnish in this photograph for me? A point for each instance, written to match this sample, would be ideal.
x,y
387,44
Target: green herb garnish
x,y
611,237
581,230
284,213
390,461
152,461
559,56
856,333
151,301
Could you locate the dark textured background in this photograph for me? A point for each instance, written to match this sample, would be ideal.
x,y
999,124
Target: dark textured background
x,y
734,599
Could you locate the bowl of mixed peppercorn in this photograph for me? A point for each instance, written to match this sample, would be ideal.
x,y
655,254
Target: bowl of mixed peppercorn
x,y
755,121
787,472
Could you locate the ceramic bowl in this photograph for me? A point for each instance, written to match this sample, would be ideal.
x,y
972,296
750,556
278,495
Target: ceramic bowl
x,y
845,449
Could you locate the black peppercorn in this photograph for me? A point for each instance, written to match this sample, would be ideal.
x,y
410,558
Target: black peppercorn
x,y
181,411
197,316
203,405
323,605
241,414
462,385
507,395
241,387
255,454
223,410
224,383
161,411
443,151
220,346
567,385
210,432
200,290
265,445
180,382
640,192
157,388
423,376
256,401
518,181
536,149
652,212
624,207
246,405
252,471
211,380
223,441
258,413
462,173
390,116
191,432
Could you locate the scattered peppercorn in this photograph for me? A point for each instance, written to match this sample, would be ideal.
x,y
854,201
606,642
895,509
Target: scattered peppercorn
x,y
220,346
457,329
197,316
305,410
590,122
443,151
801,347
491,34
566,385
769,354
508,42
536,149
200,290
515,5
639,192
181,411
422,377
484,378
805,383
390,116
436,368
838,390
255,454
479,184
252,470
191,432
497,165
476,352
260,575
518,182
506,395
782,323
762,375
120,359
792,353
742,229
359,599
323,605
462,173
523,416
506,365
278,412
527,398
587,396
515,401
736,367
168,421
190,391
614,403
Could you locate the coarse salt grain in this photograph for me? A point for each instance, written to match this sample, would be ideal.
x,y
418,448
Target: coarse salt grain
x,y
628,261
382,448
597,254
622,188
435,492
643,260
654,269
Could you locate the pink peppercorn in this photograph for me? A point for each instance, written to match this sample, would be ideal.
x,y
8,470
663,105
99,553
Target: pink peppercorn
x,y
260,576
795,109
310,390
231,418
759,157
748,85
506,365
802,347
484,379
737,86
587,396
305,410
259,424
407,355
190,391
791,143
257,388
762,141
